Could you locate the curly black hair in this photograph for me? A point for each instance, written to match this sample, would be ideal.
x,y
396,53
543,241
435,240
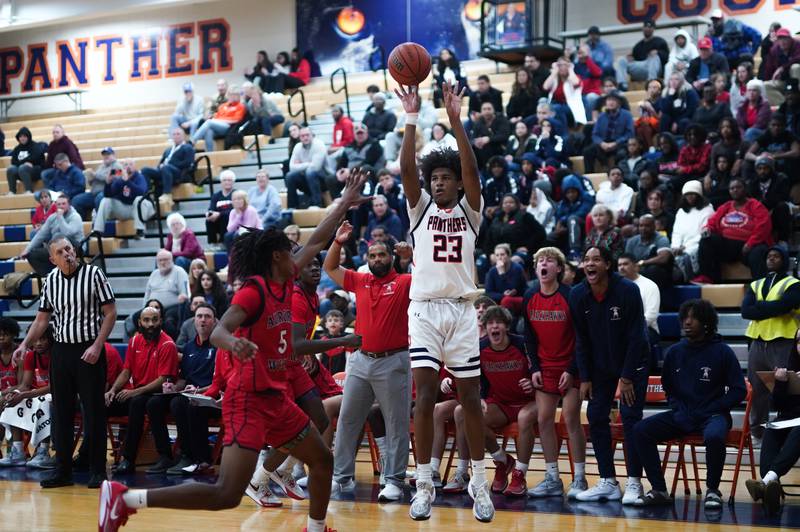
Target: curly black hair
x,y
443,158
251,253
9,326
703,311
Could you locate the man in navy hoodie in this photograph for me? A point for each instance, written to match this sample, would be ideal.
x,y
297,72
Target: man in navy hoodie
x,y
121,199
703,381
611,350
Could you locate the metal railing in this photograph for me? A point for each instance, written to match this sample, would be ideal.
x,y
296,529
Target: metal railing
x,y
302,109
334,90
152,197
33,298
208,177
249,128
381,51
101,255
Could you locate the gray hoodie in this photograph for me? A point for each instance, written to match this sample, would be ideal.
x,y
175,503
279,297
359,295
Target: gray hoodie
x,y
70,225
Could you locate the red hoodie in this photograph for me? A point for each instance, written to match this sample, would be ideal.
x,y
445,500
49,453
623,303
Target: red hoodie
x,y
694,160
342,132
303,72
750,223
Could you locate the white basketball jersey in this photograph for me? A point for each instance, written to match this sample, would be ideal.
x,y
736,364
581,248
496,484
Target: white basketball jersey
x,y
444,249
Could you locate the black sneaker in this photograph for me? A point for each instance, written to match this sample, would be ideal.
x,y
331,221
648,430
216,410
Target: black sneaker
x,y
96,481
755,488
772,497
80,464
124,467
57,481
177,469
139,234
161,466
713,499
654,498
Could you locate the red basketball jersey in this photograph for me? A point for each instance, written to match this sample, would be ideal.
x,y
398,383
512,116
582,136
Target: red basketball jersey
x,y
501,372
8,374
39,364
305,309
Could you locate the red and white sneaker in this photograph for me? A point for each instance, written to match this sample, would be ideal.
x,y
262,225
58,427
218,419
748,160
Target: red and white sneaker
x,y
501,472
263,496
288,484
518,487
113,512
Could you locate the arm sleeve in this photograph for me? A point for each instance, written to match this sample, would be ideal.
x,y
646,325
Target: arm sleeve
x,y
735,384
762,310
599,128
352,279
491,287
627,131
249,298
168,360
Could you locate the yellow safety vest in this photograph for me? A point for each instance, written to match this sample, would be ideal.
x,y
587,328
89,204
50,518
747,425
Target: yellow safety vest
x,y
783,326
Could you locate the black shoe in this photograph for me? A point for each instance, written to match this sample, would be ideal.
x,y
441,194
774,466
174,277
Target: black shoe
x,y
124,467
56,481
96,481
161,466
177,469
139,234
80,464
772,497
755,488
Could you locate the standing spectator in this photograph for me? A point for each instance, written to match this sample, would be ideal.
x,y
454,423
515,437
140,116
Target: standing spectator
x,y
243,217
739,230
648,58
753,114
564,88
703,381
379,120
80,302
261,109
601,51
682,54
677,104
122,198
448,69
604,232
610,135
61,143
219,209
27,160
182,242
265,199
342,129
64,222
485,93
175,165
188,111
706,65
489,134
66,178
737,41
710,112
615,194
652,253
97,180
612,353
306,170
692,214
590,75
782,63
45,208
229,113
741,77
524,97
770,303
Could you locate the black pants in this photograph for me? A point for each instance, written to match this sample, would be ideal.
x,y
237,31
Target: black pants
x,y
780,449
191,421
661,274
70,377
216,230
594,152
135,409
714,250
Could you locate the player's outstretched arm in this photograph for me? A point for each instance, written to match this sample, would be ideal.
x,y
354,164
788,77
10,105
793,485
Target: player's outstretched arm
x,y
409,97
469,165
351,197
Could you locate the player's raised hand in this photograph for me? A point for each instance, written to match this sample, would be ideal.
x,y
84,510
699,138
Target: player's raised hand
x,y
343,233
354,184
404,250
452,101
409,97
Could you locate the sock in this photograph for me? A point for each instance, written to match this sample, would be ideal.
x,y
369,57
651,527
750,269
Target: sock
x,y
478,472
770,476
635,480
18,446
315,525
260,477
463,466
288,464
499,456
381,443
435,463
552,469
135,498
580,469
521,466
424,473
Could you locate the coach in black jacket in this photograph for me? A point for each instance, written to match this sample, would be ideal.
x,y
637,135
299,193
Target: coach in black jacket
x,y
174,165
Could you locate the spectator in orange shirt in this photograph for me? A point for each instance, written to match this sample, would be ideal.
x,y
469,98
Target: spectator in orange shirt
x,y
228,113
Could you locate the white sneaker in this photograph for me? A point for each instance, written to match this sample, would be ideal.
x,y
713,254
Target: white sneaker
x,y
382,478
14,458
577,486
605,490
633,492
458,484
422,501
263,496
391,493
549,487
482,507
42,455
286,482
303,482
343,487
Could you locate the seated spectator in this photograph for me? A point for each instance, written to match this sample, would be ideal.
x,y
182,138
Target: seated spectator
x,y
242,218
771,188
648,182
276,76
564,88
791,107
300,71
489,134
195,372
524,97
261,109
537,71
549,148
649,121
615,194
505,281
219,209
364,152
440,139
656,207
776,143
735,40
342,129
652,252
634,162
66,178
306,171
693,212
667,157
544,112
196,268
753,114
609,136
97,180
448,69
265,199
741,77
609,86
188,330
175,165
139,380
571,212
678,104
218,99
651,302
229,113
514,226
392,190
379,120
766,45
540,207
376,233
590,74
717,183
44,208
710,111
519,143
681,55
65,221
782,63
182,242
648,58
259,73
706,65
499,182
720,83
170,286
27,160
694,158
485,93
384,216
702,404
124,199
188,111
729,144
212,290
61,143
738,230
604,232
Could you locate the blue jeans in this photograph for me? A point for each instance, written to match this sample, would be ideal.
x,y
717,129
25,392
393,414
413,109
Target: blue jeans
x,y
268,122
209,130
183,262
308,181
165,177
752,134
84,203
638,70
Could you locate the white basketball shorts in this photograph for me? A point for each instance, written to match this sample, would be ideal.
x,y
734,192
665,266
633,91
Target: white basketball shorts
x,y
444,332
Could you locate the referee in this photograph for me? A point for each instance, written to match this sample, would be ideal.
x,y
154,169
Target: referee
x,y
79,300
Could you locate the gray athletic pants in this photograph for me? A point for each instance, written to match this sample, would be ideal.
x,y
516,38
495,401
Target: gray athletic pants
x,y
764,356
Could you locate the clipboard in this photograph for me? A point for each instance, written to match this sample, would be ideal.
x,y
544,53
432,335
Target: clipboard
x,y
768,378
201,400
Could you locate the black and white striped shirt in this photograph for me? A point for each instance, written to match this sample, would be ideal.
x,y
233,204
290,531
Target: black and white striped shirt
x,y
74,302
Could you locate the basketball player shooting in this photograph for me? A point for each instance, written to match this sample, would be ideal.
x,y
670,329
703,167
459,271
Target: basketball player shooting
x,y
443,326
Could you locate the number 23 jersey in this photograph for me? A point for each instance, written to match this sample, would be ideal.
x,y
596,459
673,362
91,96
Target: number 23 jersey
x,y
444,248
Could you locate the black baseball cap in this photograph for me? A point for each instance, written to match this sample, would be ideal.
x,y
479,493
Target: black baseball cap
x,y
649,23
593,30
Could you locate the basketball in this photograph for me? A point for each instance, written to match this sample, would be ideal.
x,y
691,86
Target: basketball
x,y
409,63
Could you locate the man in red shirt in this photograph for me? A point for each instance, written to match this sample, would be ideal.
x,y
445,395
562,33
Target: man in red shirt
x,y
381,368
150,361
